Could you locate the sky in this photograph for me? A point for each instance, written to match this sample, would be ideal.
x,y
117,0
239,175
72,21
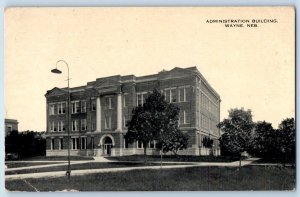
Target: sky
x,y
250,67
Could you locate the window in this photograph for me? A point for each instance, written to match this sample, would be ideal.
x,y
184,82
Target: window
x,y
182,94
92,142
75,107
139,144
125,119
61,126
83,106
83,124
108,103
93,124
52,109
125,143
107,122
125,100
9,128
61,144
184,117
200,140
52,144
51,124
75,143
171,95
54,127
152,144
75,125
141,98
61,108
94,106
83,143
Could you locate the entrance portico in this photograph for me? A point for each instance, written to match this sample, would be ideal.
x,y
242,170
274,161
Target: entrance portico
x,y
107,143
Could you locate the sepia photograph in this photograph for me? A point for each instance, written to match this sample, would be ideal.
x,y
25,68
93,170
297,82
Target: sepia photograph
x,y
149,99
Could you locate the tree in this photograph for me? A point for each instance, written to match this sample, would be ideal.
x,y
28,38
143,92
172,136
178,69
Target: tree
x,y
287,133
173,140
264,141
237,130
25,144
156,120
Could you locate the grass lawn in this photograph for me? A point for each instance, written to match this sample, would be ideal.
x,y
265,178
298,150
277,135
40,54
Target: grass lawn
x,y
25,164
183,179
173,158
275,161
83,166
55,158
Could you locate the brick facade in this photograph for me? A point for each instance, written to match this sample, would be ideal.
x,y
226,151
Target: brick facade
x,y
99,111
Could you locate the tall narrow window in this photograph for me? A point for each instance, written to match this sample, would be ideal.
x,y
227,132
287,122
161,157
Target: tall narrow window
x,y
83,106
125,100
92,142
83,124
125,119
173,95
61,144
52,144
152,144
108,102
125,143
74,144
75,107
139,99
51,109
139,144
61,108
59,125
52,126
93,124
107,122
168,95
181,117
75,125
181,96
93,104
83,143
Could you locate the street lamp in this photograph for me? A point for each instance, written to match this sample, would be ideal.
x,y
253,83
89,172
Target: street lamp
x,y
57,71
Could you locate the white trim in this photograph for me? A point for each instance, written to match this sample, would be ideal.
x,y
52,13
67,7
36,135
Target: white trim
x,y
104,136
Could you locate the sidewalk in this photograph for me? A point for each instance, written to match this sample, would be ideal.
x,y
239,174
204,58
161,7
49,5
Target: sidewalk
x,y
56,163
122,169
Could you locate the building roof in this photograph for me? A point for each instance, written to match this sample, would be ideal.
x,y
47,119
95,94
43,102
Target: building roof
x,y
7,120
127,78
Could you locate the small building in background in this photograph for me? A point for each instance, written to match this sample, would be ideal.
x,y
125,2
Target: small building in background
x,y
10,125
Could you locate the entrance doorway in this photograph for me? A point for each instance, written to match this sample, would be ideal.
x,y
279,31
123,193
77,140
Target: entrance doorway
x,y
107,146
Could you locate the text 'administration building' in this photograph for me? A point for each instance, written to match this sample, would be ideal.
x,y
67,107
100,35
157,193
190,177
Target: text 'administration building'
x,y
100,109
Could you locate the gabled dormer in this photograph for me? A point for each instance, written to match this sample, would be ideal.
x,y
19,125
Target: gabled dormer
x,y
56,92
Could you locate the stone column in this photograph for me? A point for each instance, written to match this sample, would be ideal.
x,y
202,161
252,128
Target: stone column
x,y
98,114
119,112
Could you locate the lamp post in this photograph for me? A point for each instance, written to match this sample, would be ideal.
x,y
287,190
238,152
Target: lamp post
x,y
57,71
